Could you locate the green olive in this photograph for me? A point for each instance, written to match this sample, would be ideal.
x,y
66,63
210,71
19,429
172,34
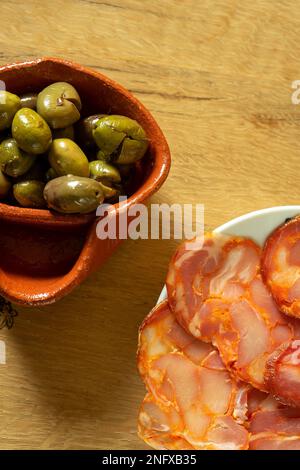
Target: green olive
x,y
67,158
51,174
29,100
30,193
59,104
121,137
31,131
9,105
102,171
5,185
13,161
66,133
73,194
84,130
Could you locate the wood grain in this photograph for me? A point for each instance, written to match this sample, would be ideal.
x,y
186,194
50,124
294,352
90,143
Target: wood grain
x,y
217,77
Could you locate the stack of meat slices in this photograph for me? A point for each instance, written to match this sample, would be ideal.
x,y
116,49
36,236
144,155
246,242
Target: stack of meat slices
x,y
221,357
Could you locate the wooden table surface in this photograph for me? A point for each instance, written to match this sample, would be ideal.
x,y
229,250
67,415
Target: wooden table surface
x,y
217,75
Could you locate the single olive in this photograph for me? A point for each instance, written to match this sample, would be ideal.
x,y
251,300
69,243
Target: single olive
x,y
59,104
31,131
9,105
66,133
102,171
29,100
67,158
13,161
84,130
51,174
73,194
5,185
30,193
121,137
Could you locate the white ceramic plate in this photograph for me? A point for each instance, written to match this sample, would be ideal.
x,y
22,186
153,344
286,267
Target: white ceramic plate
x,y
256,225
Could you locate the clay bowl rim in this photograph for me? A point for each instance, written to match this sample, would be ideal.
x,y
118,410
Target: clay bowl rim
x,y
153,182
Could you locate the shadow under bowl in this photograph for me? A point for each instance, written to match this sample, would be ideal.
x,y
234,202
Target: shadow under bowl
x,y
44,255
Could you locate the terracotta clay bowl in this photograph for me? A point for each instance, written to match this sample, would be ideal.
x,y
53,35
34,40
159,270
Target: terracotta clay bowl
x,y
44,255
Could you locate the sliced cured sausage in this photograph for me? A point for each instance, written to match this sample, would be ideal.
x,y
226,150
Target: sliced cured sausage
x,y
161,426
283,373
281,266
275,428
272,425
219,268
192,402
217,294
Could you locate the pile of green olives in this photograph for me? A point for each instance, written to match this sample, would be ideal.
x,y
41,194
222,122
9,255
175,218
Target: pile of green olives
x,y
52,157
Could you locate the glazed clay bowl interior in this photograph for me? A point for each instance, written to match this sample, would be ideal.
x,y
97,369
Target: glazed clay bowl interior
x,y
44,255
